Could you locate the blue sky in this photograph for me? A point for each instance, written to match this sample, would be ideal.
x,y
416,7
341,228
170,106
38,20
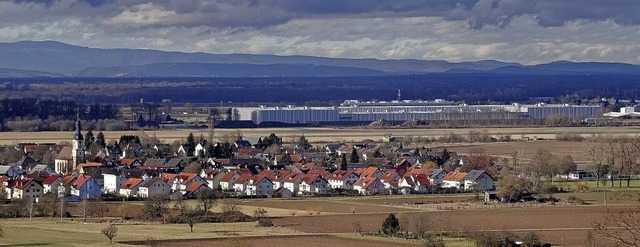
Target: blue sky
x,y
524,31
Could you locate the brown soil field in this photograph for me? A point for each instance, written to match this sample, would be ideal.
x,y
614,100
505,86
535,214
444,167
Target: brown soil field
x,y
323,135
307,241
526,150
357,204
554,224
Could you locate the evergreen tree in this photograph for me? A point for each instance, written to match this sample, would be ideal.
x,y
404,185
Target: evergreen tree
x,y
354,155
100,140
88,139
391,225
272,139
444,157
191,144
344,162
303,143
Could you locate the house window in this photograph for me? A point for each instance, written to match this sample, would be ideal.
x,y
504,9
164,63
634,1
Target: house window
x,y
27,191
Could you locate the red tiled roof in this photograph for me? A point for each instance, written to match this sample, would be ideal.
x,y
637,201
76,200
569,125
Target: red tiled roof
x,y
227,177
127,162
81,181
131,183
19,183
50,179
67,180
389,176
455,176
194,186
242,179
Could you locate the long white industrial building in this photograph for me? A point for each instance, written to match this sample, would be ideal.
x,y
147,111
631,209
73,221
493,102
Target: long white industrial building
x,y
355,111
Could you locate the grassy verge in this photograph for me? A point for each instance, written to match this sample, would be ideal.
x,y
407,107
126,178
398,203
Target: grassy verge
x,y
49,232
449,242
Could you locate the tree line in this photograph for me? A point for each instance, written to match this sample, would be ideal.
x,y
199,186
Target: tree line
x,y
30,114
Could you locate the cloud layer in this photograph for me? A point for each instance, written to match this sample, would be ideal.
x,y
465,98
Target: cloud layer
x,y
526,31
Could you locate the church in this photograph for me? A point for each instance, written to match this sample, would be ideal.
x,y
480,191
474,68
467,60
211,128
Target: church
x,y
69,157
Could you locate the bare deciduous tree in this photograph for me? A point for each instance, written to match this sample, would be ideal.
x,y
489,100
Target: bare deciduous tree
x,y
110,232
620,227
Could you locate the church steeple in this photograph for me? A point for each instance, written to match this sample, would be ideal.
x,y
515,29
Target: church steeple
x,y
78,152
78,134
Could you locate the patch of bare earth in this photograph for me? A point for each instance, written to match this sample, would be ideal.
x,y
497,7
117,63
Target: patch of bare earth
x,y
556,225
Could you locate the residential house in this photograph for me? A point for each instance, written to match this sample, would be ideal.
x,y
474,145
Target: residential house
x,y
371,171
114,152
369,186
261,186
85,187
340,179
180,182
478,180
151,162
292,182
83,167
228,180
24,189
454,180
51,184
26,163
418,182
153,187
194,189
44,170
11,171
240,185
130,187
213,177
282,192
390,179
200,150
314,184
130,163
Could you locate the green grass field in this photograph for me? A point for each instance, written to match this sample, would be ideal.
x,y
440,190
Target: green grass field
x,y
52,232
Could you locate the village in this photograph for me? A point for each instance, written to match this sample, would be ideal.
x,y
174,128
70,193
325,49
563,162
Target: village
x,y
266,168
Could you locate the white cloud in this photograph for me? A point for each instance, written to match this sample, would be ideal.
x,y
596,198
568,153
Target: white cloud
x,y
525,31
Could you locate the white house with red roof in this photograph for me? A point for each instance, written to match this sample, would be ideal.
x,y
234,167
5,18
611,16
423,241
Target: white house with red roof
x,y
314,184
418,182
390,179
213,177
180,182
24,189
292,182
480,180
340,179
240,185
228,180
371,171
194,189
454,180
51,184
130,187
153,187
369,186
260,186
85,186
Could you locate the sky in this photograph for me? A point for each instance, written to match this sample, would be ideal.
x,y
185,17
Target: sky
x,y
523,31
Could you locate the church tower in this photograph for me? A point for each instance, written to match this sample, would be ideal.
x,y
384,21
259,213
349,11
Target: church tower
x,y
77,151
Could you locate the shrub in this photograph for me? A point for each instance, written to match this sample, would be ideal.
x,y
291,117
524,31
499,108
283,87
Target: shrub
x,y
265,222
575,200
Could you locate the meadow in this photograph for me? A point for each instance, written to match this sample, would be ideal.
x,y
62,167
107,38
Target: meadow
x,y
324,135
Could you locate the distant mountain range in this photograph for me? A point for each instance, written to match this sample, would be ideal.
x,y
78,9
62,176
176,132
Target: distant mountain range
x,y
55,59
